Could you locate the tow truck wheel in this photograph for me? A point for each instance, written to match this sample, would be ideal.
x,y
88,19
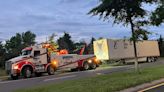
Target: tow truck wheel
x,y
27,72
51,70
86,66
93,65
14,77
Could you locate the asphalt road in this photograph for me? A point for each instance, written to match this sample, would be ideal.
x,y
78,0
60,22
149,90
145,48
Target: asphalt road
x,y
158,89
10,85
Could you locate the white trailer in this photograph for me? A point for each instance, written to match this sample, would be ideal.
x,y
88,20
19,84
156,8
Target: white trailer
x,y
108,49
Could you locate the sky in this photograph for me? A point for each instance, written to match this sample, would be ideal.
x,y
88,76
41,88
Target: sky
x,y
44,17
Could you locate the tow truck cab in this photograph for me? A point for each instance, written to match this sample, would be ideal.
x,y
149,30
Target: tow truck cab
x,y
33,59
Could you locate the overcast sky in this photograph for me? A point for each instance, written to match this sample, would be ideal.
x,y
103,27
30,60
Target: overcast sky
x,y
44,17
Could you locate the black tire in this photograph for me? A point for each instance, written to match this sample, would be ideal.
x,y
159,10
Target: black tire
x,y
27,72
93,66
38,74
155,59
85,66
150,59
50,70
123,62
14,77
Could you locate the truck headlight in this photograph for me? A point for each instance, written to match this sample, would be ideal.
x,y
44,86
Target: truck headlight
x,y
54,63
89,61
16,67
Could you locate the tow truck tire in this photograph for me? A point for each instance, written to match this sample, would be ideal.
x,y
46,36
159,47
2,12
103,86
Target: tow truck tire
x,y
50,70
27,72
14,77
93,65
85,66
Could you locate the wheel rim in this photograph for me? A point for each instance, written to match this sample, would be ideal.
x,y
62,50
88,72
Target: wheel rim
x,y
93,65
28,73
86,66
149,60
51,70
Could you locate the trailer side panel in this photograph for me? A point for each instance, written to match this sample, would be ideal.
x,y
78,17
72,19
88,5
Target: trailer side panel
x,y
108,49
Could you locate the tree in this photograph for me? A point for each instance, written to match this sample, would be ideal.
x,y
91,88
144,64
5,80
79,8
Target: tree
x,y
90,46
157,17
161,45
53,43
16,43
2,54
127,12
65,42
28,38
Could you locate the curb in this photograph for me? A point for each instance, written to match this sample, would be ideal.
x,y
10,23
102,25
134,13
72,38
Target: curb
x,y
141,87
3,77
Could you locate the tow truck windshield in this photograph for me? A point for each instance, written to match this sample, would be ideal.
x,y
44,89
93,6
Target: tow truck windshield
x,y
26,52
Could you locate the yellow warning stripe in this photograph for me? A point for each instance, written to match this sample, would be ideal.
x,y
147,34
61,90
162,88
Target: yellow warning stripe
x,y
152,87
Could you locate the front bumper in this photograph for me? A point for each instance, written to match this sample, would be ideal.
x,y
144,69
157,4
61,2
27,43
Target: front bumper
x,y
13,72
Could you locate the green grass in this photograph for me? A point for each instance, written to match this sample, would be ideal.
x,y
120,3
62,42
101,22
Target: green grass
x,y
103,83
2,72
111,64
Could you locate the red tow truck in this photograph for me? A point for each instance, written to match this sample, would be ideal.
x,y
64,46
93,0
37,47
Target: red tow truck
x,y
38,59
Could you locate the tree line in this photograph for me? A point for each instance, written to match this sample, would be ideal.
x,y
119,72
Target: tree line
x,y
12,47
15,44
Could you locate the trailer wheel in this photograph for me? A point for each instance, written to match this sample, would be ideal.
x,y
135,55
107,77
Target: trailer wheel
x,y
51,70
150,59
14,77
155,59
85,66
27,72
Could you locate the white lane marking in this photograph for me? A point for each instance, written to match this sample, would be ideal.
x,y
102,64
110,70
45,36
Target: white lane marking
x,y
99,73
6,82
64,77
19,80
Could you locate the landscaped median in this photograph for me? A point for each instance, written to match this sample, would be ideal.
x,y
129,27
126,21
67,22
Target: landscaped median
x,y
2,72
3,75
103,83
